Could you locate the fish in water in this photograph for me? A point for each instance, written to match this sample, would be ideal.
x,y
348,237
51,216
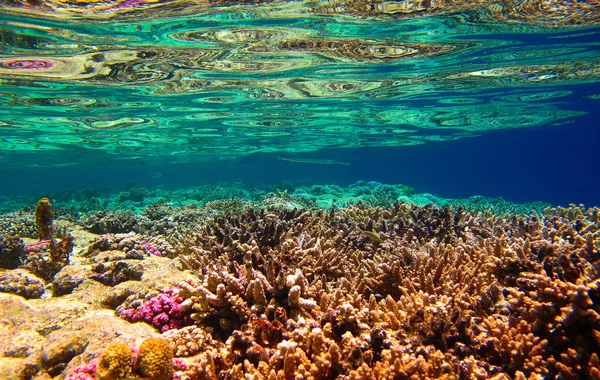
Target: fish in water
x,y
373,236
314,161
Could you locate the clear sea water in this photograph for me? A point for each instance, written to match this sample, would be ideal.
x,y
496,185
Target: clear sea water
x,y
455,98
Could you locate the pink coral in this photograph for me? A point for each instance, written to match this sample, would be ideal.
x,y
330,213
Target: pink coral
x,y
38,246
84,371
151,249
163,312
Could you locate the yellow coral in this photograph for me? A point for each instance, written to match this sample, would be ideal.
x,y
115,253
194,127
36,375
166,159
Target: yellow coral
x,y
155,359
114,363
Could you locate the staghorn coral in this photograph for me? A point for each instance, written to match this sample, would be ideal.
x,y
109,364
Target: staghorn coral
x,y
373,292
434,289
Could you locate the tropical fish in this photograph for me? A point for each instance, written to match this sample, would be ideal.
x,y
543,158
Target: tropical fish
x,y
373,236
314,161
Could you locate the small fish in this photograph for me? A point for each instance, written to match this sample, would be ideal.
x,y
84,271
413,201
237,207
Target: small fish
x,y
155,175
314,161
373,236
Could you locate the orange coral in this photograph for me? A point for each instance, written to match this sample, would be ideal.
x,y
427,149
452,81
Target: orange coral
x,y
155,359
115,362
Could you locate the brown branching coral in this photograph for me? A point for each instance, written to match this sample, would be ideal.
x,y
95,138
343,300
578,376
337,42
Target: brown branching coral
x,y
440,293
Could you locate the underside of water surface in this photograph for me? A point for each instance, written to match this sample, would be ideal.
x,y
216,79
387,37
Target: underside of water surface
x,y
430,94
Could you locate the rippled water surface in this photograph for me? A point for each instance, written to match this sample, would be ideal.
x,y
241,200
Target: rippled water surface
x,y
187,81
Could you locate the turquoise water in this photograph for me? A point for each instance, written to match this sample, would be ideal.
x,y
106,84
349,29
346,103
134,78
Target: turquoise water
x,y
453,97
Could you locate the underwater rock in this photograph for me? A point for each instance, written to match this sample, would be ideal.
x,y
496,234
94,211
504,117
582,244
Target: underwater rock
x,y
69,278
58,350
11,251
21,283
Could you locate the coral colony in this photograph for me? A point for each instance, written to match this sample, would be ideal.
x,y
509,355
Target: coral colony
x,y
271,291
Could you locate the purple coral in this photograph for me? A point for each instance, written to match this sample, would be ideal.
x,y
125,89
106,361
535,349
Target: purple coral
x,y
151,249
163,312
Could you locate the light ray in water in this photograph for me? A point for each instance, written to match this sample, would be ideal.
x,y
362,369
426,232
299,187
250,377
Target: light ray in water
x,y
314,161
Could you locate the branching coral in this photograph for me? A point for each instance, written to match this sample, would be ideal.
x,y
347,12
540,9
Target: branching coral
x,y
441,293
48,257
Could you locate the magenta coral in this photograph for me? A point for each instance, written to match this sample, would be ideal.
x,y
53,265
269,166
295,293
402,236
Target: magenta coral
x,y
151,249
84,371
163,312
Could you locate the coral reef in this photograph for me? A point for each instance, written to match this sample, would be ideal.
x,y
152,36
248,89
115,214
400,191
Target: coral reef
x,y
11,251
359,292
438,293
136,194
103,222
18,224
